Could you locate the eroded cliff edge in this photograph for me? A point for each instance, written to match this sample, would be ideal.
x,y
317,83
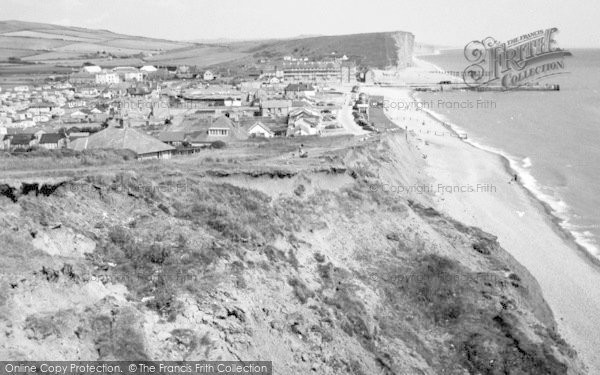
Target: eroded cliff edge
x,y
306,263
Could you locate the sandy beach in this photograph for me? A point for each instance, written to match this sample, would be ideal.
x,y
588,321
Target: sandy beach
x,y
506,209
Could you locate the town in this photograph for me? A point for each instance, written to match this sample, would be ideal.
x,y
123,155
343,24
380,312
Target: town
x,y
161,111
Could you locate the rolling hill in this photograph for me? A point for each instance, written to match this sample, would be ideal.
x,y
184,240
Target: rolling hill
x,y
53,45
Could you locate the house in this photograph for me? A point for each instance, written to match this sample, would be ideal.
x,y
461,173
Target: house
x,y
172,138
296,90
260,130
303,112
221,129
208,76
275,107
304,121
303,127
144,146
53,141
22,141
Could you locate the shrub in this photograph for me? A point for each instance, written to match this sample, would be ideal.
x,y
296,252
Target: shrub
x,y
301,291
437,284
218,144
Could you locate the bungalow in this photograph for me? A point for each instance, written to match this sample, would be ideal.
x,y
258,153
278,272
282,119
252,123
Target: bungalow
x,y
144,146
296,90
53,141
275,107
172,138
221,129
22,141
260,130
304,126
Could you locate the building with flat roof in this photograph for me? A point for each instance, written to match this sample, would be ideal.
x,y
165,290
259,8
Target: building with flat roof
x,y
317,71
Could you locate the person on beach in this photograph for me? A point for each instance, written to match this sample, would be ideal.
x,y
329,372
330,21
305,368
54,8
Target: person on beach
x,y
301,152
515,178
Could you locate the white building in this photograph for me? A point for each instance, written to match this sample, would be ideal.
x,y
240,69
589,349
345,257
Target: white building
x,y
134,76
128,73
91,69
106,78
260,130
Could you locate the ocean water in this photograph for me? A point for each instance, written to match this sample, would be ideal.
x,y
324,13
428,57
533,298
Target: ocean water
x,y
551,138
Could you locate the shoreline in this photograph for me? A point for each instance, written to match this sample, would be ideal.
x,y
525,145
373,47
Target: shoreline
x,y
517,217
553,216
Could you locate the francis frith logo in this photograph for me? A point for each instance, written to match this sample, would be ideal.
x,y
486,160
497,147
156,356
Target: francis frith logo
x,y
521,61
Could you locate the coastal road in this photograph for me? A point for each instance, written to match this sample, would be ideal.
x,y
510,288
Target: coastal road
x,y
346,119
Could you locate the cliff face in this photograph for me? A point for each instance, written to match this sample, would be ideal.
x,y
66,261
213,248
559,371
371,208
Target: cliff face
x,y
307,263
375,50
405,43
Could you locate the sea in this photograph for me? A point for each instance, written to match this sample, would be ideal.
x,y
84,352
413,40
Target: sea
x,y
550,138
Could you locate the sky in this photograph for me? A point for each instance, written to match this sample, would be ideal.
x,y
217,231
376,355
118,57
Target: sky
x,y
440,22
